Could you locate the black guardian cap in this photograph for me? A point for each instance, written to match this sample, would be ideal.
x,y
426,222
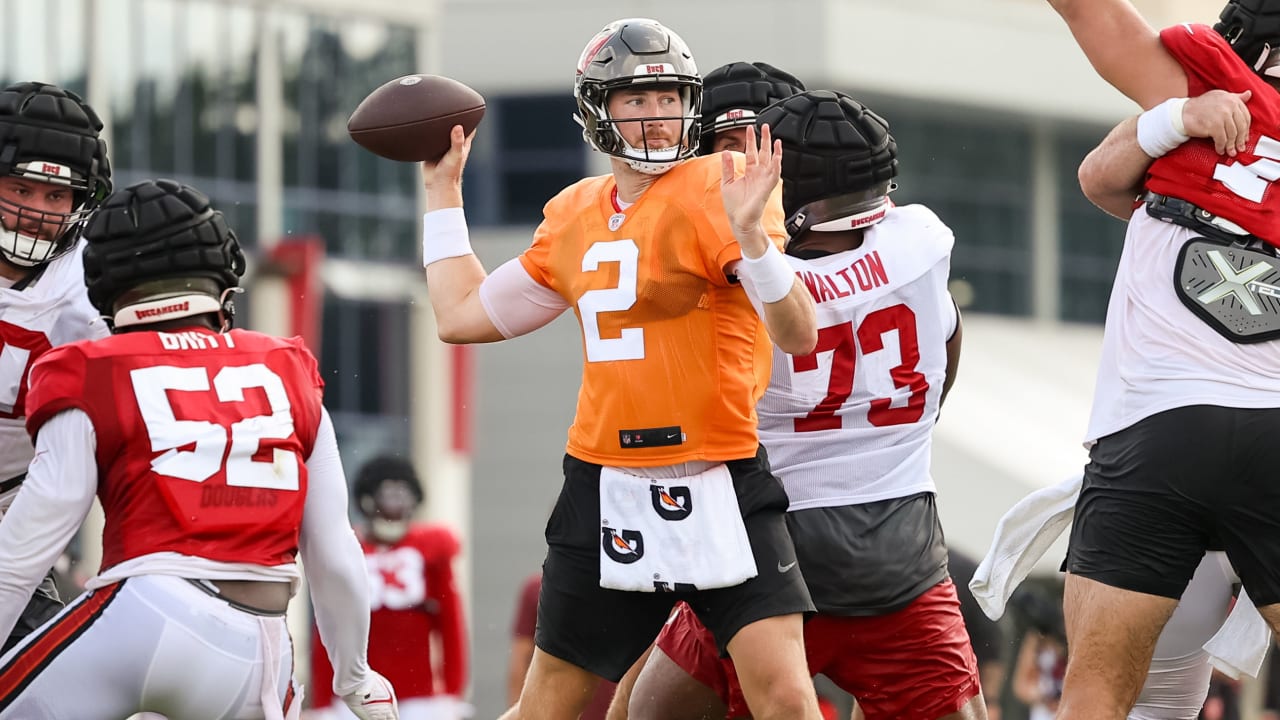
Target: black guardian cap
x,y
733,94
838,161
157,250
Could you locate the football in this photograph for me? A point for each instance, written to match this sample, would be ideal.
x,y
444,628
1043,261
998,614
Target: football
x,y
409,118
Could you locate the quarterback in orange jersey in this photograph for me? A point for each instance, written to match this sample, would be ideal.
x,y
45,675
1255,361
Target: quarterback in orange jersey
x,y
661,261
216,466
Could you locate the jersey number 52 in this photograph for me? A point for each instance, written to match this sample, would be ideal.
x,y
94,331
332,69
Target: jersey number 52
x,y
209,440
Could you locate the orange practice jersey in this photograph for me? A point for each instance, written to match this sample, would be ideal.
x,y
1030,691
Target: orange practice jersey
x,y
676,357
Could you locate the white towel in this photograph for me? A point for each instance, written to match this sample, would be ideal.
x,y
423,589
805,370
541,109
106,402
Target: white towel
x,y
1241,644
1022,537
1031,526
657,533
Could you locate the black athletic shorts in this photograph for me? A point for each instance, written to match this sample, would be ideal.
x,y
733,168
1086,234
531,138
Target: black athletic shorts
x,y
1162,491
605,631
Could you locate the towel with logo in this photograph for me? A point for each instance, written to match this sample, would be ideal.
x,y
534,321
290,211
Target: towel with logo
x,y
672,534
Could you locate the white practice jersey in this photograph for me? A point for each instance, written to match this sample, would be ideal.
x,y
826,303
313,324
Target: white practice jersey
x,y
852,423
53,310
1157,355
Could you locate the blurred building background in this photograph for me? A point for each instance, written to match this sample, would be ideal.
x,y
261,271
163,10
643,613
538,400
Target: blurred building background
x,y
991,102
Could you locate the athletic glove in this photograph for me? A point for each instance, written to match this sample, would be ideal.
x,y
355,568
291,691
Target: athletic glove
x,y
375,701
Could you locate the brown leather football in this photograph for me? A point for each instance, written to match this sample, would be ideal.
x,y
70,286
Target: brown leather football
x,y
409,118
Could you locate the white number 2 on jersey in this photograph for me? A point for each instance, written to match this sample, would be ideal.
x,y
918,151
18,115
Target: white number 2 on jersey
x,y
629,345
151,386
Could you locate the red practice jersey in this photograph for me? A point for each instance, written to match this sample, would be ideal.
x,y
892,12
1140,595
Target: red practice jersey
x,y
412,597
201,438
1238,189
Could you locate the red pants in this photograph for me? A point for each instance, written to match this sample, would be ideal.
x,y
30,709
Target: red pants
x,y
913,664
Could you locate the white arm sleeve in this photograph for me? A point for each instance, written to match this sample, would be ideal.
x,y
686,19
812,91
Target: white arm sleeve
x,y
334,565
516,303
53,501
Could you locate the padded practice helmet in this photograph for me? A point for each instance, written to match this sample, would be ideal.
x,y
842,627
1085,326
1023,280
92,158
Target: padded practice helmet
x,y
157,251
49,135
1253,29
388,493
838,161
733,94
636,52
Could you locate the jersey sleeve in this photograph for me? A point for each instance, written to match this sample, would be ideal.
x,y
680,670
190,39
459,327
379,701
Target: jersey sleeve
x,y
1208,60
537,259
715,233
57,382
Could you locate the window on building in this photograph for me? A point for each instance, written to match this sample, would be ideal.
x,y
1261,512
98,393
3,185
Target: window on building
x,y
528,149
1090,240
974,172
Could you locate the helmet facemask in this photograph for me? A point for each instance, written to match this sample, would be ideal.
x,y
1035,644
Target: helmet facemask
x,y
637,54
31,237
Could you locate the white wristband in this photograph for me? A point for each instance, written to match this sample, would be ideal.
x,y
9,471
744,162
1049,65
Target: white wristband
x,y
444,235
770,273
1160,129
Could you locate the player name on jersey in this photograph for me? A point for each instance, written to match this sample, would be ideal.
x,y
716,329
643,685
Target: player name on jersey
x,y
194,340
863,274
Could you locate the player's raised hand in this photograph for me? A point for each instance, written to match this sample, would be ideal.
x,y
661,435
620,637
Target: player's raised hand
x,y
1220,116
745,195
375,701
443,178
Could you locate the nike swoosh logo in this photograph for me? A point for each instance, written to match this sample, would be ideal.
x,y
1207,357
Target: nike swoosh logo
x,y
669,437
783,568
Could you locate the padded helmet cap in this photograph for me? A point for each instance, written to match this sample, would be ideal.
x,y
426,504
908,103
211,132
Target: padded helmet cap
x,y
162,237
733,94
838,160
